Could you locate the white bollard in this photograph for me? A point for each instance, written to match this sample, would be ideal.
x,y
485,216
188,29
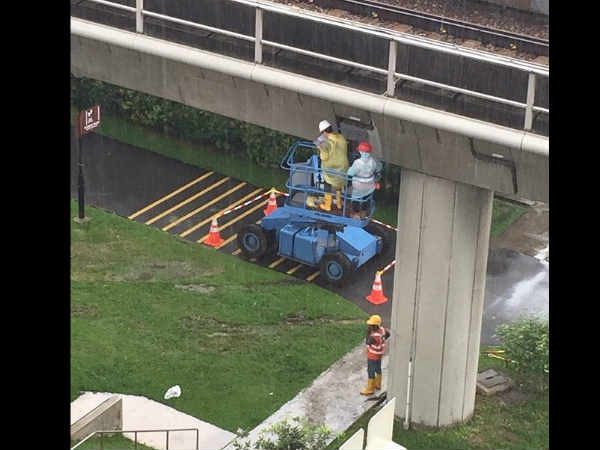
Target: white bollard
x,y
380,429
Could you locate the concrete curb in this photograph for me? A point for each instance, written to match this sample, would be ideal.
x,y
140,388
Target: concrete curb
x,y
333,398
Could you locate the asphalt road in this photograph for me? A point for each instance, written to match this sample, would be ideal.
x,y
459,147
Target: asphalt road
x,y
181,199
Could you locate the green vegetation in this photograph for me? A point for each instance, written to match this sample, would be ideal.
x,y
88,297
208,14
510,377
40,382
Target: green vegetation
x,y
298,433
504,213
516,419
527,345
149,310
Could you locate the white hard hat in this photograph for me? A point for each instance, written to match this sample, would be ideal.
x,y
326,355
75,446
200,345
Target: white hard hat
x,y
323,125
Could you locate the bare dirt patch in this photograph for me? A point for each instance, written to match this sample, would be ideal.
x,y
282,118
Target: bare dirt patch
x,y
198,288
84,311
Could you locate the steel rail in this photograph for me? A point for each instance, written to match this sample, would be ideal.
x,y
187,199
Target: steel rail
x,y
431,22
164,430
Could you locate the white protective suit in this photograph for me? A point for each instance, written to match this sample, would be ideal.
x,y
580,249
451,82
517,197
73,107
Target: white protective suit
x,y
363,175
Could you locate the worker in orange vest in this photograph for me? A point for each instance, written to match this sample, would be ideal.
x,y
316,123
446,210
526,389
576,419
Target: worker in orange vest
x,y
375,340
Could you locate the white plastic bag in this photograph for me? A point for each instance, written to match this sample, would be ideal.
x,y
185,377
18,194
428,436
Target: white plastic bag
x,y
174,391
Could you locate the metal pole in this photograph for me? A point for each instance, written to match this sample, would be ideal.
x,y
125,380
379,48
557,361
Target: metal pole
x,y
197,436
391,84
167,439
258,36
135,440
530,101
139,17
80,180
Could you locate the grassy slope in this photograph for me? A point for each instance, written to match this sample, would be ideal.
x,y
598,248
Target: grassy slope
x,y
149,311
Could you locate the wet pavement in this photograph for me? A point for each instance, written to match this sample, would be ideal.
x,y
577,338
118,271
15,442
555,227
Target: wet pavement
x,y
128,180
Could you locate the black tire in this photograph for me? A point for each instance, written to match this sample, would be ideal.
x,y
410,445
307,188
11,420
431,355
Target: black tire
x,y
335,268
373,229
252,241
272,243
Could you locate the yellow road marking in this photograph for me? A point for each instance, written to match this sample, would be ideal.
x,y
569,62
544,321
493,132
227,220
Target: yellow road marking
x,y
240,217
203,207
234,204
166,197
227,241
313,276
276,263
185,202
293,269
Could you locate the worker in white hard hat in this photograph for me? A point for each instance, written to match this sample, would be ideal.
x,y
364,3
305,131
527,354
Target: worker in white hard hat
x,y
375,340
333,151
363,172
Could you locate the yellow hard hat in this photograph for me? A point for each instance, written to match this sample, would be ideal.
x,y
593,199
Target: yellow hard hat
x,y
374,320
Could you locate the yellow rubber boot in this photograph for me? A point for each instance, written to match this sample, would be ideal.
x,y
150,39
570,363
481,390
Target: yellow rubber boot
x,y
327,204
377,381
370,387
338,199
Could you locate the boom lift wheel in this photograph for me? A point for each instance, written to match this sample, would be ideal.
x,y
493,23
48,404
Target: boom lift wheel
x,y
252,241
335,268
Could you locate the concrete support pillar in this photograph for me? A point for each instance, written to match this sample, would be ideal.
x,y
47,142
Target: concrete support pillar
x,y
439,284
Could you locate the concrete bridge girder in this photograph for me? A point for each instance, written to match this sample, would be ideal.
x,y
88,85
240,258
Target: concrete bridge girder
x,y
411,136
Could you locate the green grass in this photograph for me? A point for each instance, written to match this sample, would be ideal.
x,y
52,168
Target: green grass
x,y
150,310
514,420
504,213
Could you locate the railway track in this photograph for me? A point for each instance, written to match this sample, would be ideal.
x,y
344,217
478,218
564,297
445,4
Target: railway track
x,y
444,25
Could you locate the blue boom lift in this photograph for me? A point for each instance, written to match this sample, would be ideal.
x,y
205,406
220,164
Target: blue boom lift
x,y
337,242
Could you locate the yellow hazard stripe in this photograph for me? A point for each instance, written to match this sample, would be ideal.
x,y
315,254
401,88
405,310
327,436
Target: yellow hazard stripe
x,y
293,269
237,252
203,207
276,263
204,222
313,276
186,201
240,217
168,196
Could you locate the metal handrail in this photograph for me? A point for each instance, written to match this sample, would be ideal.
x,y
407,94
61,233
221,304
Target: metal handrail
x,y
102,432
393,77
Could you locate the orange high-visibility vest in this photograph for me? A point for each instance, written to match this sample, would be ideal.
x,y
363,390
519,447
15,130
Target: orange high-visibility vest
x,y
375,351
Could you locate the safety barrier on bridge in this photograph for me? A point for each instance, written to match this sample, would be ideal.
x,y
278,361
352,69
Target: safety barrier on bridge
x,y
534,71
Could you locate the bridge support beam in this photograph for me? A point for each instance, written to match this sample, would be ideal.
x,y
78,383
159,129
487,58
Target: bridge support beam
x,y
439,283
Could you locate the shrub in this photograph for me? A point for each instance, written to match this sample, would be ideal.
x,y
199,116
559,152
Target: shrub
x,y
299,435
526,342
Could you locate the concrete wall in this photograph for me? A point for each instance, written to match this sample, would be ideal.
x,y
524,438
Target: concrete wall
x,y
106,416
283,102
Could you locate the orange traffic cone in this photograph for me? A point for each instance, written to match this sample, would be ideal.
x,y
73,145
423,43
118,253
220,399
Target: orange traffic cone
x,y
271,205
377,296
214,238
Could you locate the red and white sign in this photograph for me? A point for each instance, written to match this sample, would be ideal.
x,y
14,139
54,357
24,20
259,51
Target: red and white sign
x,y
89,119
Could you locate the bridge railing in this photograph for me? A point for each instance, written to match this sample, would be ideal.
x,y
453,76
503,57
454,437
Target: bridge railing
x,y
534,71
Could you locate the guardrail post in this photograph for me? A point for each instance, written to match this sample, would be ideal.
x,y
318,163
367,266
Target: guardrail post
x,y
139,18
258,36
530,101
391,84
